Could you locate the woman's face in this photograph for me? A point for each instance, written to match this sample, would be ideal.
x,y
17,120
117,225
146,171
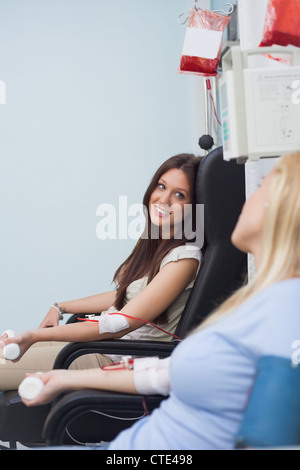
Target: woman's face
x,y
166,205
248,233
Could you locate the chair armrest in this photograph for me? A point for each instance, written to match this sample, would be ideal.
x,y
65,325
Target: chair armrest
x,y
116,346
74,404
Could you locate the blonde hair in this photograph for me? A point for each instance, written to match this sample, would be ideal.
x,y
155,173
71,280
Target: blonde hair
x,y
281,237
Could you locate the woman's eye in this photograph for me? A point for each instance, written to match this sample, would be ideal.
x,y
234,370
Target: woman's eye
x,y
161,186
180,195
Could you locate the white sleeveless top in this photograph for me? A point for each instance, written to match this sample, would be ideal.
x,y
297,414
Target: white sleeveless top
x,y
149,332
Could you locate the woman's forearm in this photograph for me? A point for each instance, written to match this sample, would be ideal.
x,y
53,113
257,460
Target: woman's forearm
x,y
58,381
99,379
73,332
93,304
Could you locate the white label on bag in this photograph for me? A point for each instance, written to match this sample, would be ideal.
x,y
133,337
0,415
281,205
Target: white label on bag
x,y
202,43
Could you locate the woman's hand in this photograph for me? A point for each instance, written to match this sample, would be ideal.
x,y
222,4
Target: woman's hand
x,y
24,340
93,304
51,319
53,385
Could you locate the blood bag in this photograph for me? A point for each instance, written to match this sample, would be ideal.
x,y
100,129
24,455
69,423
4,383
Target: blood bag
x,y
203,42
282,25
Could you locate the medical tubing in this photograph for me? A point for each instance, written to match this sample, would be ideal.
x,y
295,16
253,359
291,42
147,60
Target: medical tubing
x,y
135,318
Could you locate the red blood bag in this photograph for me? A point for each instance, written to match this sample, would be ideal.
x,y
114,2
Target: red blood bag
x,y
203,42
282,23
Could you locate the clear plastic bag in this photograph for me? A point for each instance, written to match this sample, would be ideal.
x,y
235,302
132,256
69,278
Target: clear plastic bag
x,y
282,23
203,42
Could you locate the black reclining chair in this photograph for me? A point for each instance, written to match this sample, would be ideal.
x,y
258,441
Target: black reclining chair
x,y
221,188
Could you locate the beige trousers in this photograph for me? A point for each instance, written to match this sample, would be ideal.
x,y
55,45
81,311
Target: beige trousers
x,y
40,358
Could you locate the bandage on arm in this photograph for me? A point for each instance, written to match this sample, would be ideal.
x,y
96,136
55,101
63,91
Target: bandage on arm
x,y
151,376
112,323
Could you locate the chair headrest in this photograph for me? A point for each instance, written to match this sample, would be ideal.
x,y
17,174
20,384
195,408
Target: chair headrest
x,y
220,187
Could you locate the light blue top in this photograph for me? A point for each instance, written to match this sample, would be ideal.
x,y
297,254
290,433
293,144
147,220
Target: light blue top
x,y
212,373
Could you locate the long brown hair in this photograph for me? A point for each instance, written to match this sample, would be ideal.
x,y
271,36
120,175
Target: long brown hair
x,y
149,251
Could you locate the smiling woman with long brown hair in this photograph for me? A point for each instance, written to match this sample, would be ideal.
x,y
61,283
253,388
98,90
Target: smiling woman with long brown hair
x,y
160,267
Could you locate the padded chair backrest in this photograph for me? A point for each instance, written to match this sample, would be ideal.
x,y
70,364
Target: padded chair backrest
x,y
220,186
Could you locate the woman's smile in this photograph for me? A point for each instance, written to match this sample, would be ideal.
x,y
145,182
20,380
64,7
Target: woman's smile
x,y
162,211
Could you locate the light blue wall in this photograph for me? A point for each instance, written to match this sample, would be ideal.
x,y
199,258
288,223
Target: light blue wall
x,y
94,104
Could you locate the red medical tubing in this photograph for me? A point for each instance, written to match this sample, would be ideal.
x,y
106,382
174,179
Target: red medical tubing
x,y
135,318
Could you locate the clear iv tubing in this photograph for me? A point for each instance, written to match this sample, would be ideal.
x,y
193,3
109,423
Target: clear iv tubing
x,y
135,318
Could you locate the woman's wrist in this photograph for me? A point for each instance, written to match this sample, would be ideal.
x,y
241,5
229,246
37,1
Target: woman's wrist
x,y
60,310
35,335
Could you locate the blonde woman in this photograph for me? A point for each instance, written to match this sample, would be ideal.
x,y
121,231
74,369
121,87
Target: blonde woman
x,y
211,373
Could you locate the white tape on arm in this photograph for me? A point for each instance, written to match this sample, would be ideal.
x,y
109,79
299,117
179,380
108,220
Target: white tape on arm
x,y
151,376
112,323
